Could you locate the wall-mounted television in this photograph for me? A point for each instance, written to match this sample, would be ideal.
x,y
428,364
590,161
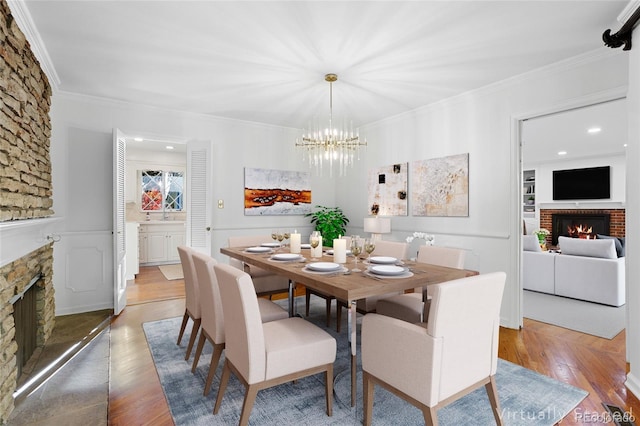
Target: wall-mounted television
x,y
593,183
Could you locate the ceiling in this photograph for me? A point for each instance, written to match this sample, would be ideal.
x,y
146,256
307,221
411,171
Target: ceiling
x,y
265,61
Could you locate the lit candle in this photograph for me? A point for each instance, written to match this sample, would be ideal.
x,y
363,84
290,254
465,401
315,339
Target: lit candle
x,y
340,250
294,242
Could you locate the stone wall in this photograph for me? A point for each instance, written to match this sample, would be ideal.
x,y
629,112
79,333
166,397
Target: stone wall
x,y
25,127
25,189
14,277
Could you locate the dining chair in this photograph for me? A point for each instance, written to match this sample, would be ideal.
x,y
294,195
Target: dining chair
x,y
212,326
265,355
192,297
432,366
328,298
266,283
369,304
414,307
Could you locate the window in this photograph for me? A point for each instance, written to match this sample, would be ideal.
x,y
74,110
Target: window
x,y
161,191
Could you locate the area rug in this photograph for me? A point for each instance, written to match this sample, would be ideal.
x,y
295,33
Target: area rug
x,y
172,272
585,317
527,397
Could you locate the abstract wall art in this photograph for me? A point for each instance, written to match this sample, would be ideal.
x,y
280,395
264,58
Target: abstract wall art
x,y
276,192
387,190
440,186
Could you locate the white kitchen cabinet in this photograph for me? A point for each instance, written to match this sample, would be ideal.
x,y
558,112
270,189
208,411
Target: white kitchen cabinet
x,y
159,241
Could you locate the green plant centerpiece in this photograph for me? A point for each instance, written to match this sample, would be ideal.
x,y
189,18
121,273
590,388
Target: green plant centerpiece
x,y
330,221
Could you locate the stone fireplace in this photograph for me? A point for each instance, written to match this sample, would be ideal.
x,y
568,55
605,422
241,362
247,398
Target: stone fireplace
x,y
25,197
582,223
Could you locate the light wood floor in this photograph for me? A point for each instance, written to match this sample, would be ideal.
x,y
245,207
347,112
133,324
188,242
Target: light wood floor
x,y
594,364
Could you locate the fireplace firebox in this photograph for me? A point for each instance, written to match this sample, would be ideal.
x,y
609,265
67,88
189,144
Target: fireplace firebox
x,y
577,225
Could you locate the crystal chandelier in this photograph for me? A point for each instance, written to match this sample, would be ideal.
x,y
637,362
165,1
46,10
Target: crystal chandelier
x,y
331,145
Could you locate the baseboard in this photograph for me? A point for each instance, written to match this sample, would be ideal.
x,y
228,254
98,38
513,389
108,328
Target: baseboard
x,y
633,384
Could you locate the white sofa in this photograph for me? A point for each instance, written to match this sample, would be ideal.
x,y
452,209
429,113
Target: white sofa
x,y
587,270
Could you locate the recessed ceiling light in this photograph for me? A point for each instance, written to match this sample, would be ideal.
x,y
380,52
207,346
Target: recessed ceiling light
x,y
594,130
169,147
562,152
138,139
625,145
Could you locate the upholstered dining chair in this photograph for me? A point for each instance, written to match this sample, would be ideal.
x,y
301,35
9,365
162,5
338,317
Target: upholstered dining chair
x,y
456,353
192,304
364,306
265,282
266,355
414,307
212,326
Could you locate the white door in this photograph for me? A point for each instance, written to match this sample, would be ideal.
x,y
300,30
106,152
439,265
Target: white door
x,y
199,196
119,246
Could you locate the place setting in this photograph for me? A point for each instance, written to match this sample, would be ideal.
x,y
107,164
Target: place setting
x,y
325,268
286,257
387,271
258,250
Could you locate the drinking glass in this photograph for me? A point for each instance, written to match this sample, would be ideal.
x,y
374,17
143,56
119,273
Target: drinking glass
x,y
314,242
356,249
280,237
369,247
286,235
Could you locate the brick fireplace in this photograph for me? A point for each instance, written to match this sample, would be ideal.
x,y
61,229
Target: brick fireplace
x,y
25,198
615,219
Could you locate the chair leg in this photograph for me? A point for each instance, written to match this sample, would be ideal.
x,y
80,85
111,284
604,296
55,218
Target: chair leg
x,y
185,318
430,416
192,339
196,357
328,302
339,306
226,372
492,392
367,396
215,359
328,380
247,405
307,299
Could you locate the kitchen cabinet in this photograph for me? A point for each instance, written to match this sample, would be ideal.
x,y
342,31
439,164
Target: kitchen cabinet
x,y
159,241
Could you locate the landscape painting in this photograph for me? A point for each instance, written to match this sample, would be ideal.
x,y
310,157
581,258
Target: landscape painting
x,y
387,190
440,186
276,192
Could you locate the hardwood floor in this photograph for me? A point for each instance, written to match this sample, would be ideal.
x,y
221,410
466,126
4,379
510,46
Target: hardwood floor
x,y
591,363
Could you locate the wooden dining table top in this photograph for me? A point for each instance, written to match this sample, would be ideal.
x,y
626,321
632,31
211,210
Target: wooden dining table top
x,y
351,286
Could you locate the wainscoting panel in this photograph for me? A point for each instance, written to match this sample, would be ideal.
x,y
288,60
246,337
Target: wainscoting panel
x,y
83,272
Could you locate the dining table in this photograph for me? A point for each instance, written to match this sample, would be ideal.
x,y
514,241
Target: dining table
x,y
345,284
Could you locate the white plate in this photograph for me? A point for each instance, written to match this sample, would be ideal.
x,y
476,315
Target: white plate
x,y
383,260
305,246
258,249
386,270
286,256
330,252
324,266
270,244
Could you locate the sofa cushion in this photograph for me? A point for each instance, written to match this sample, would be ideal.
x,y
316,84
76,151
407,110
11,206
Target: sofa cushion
x,y
619,242
530,243
590,248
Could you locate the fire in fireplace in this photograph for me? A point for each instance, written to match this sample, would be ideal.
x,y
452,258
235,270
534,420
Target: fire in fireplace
x,y
578,225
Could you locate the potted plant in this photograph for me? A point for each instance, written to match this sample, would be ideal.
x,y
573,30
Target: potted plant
x,y
330,221
531,200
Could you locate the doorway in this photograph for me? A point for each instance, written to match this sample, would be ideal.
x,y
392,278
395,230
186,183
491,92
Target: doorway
x,y
581,137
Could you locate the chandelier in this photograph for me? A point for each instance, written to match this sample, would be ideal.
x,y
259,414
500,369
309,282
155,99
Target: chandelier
x,y
331,145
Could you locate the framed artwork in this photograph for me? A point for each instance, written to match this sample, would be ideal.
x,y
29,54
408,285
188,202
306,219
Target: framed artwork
x,y
440,186
276,192
387,190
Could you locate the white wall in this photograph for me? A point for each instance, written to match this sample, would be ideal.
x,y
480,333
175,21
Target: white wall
x,y
482,123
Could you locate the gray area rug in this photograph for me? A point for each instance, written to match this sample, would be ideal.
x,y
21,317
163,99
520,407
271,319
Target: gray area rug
x,y
527,398
585,317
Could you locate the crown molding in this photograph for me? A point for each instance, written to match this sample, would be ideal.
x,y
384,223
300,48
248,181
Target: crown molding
x,y
21,14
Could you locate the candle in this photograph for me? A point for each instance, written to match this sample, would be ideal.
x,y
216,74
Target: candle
x,y
340,250
317,252
294,242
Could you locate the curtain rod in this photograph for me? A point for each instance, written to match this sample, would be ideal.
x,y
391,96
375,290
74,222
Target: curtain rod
x,y
623,36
